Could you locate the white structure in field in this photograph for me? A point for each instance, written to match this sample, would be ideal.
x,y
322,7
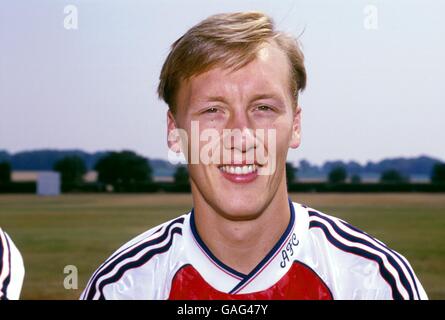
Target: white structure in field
x,y
48,183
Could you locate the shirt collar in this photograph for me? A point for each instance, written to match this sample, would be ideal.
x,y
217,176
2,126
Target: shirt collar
x,y
271,268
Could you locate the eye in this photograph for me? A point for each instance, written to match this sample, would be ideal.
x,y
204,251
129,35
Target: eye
x,y
264,107
211,110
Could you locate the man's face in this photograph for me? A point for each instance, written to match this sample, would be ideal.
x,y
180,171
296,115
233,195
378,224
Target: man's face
x,y
250,100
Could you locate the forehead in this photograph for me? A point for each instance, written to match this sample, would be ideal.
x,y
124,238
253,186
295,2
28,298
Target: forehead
x,y
267,73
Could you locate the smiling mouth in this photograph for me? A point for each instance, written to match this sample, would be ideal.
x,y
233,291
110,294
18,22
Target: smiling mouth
x,y
239,169
243,173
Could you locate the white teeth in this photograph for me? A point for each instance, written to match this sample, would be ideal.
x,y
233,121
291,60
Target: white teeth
x,y
239,170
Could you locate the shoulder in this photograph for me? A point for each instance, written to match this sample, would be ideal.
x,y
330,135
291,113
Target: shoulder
x,y
136,262
12,270
363,260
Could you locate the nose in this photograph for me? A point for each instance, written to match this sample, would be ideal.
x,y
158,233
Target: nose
x,y
239,134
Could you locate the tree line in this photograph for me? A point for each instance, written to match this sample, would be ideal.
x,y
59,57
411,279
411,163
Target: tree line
x,y
116,169
339,174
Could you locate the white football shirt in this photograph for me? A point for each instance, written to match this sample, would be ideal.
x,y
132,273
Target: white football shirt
x,y
317,257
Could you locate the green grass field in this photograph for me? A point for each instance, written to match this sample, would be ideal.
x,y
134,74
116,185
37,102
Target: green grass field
x,y
83,230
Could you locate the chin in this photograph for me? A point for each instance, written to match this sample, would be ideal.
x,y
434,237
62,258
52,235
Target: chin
x,y
232,199
241,207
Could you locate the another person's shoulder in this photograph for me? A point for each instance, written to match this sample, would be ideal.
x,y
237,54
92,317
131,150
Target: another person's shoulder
x,y
156,234
366,267
12,270
136,269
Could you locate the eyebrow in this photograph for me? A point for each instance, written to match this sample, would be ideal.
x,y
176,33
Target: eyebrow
x,y
265,96
216,98
254,98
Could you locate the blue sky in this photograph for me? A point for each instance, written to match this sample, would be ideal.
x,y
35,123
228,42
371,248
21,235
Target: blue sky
x,y
371,94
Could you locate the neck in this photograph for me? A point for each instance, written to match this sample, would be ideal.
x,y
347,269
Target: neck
x,y
242,244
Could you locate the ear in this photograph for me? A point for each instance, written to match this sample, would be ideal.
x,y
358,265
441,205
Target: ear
x,y
173,136
296,129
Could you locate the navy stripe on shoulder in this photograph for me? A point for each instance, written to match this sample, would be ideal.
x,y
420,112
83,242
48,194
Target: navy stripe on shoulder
x,y
389,257
408,268
141,261
119,252
360,252
352,238
92,287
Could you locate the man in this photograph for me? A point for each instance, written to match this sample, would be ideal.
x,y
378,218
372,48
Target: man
x,y
244,239
12,270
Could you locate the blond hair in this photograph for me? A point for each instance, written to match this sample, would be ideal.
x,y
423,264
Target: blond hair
x,y
231,40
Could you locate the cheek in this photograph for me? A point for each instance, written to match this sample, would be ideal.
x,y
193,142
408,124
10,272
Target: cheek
x,y
203,144
283,134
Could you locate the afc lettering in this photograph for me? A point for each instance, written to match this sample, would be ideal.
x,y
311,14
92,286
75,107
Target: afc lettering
x,y
288,250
